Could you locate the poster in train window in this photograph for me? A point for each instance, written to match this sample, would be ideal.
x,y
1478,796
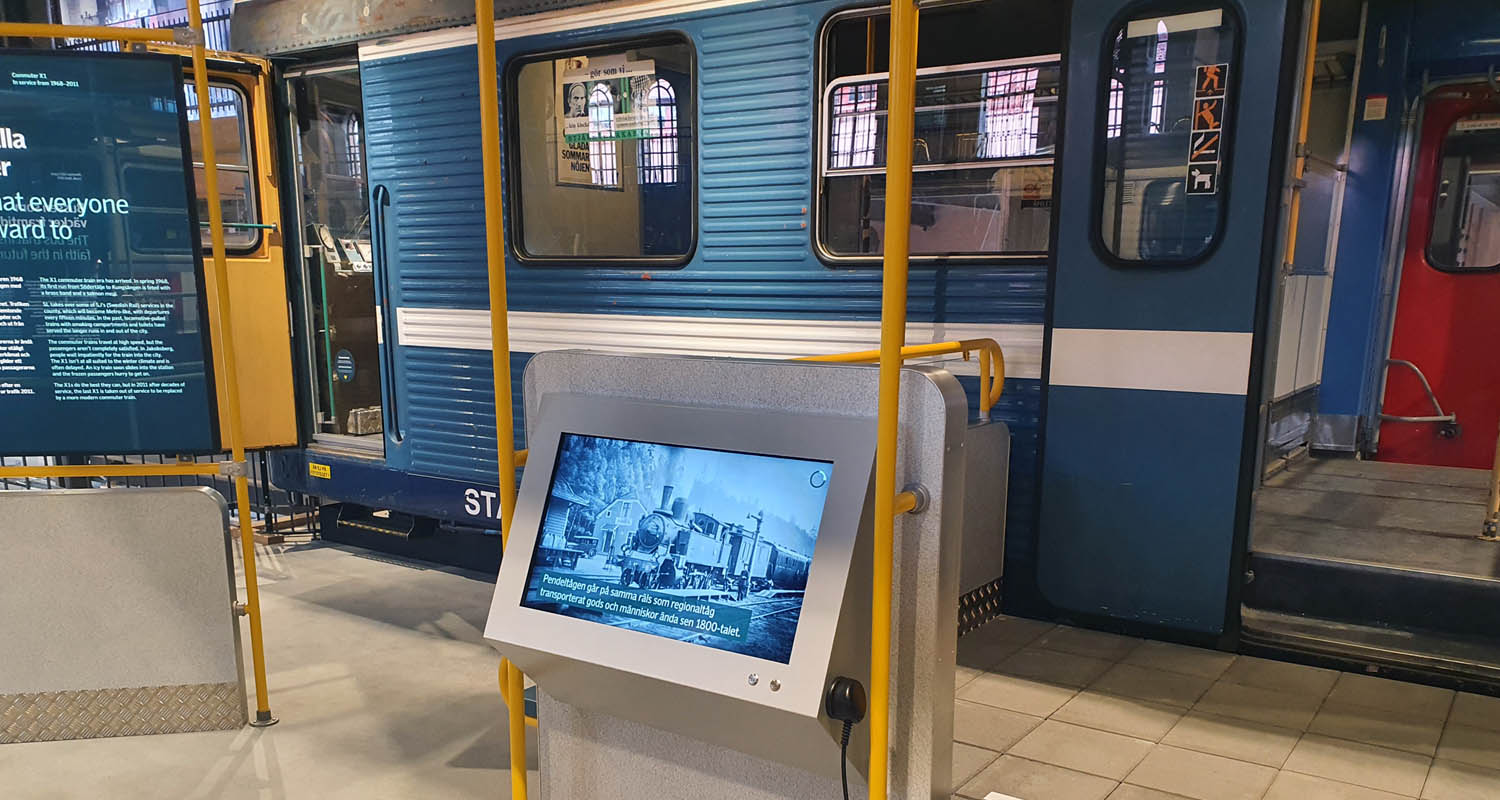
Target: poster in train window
x,y
103,326
711,547
606,98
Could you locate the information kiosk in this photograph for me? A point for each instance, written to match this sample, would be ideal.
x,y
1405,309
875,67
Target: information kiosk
x,y
688,575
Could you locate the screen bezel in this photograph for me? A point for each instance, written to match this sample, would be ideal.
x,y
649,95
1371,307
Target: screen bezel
x,y
847,442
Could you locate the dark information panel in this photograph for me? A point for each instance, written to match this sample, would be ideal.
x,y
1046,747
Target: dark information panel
x,y
103,327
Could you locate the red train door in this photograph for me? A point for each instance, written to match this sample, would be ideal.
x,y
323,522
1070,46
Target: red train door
x,y
1447,325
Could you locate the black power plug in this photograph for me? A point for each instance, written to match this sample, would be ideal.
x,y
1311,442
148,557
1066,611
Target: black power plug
x,y
846,702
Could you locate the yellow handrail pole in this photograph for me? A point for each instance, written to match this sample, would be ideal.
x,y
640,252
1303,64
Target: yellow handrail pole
x,y
505,434
901,107
1310,60
228,365
44,30
111,470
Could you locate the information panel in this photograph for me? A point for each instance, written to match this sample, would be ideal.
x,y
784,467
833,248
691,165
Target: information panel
x,y
103,324
722,561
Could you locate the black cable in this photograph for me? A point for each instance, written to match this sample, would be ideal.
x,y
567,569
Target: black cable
x,y
844,757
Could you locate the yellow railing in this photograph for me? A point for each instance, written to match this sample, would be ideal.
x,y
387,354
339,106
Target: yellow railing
x,y
991,363
219,306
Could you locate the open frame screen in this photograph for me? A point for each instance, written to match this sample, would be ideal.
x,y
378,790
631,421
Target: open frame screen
x,y
699,546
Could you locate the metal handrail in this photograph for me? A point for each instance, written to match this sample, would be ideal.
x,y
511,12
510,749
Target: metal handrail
x,y
991,363
1431,396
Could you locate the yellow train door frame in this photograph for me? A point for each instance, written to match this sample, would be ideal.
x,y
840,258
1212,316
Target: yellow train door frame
x,y
261,314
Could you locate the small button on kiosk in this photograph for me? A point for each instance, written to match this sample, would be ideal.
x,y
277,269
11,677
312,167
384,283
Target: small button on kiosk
x,y
688,575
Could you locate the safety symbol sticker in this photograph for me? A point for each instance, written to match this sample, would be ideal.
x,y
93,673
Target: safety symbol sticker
x,y
1205,147
1203,179
1213,81
1206,144
1208,114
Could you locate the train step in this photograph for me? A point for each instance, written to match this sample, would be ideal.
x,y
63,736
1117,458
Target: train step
x,y
1348,591
411,536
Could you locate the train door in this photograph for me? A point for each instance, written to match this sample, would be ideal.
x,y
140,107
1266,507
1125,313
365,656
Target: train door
x,y
1174,112
1442,396
338,275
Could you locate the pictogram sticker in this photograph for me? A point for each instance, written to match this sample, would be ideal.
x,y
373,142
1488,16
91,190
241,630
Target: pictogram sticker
x,y
1213,81
1208,114
1205,147
1203,179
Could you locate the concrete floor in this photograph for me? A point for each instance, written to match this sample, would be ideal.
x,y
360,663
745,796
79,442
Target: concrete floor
x,y
378,672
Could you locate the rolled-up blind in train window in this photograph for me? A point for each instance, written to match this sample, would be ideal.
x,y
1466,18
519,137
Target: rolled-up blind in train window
x,y
985,137
1166,130
1466,209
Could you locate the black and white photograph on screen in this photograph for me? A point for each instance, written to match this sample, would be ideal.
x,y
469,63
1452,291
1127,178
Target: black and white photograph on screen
x,y
704,546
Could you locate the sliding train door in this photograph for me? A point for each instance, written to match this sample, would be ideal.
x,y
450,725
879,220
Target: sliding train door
x,y
1174,127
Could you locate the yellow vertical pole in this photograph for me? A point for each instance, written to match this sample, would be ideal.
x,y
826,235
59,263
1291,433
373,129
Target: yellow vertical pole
x,y
505,435
228,367
1310,61
898,140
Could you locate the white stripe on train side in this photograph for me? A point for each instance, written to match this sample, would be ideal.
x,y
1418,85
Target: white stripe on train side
x,y
532,24
746,337
1206,362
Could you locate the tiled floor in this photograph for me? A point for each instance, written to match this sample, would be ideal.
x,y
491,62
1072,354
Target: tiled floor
x,y
1046,712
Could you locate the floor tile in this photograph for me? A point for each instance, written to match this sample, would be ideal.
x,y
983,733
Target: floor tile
x,y
963,674
969,760
1129,792
1281,676
1267,706
1032,780
983,655
1201,775
1108,755
1169,688
1234,738
1179,658
1084,642
1471,746
1476,711
1296,786
1116,714
1017,694
990,727
1016,630
1365,765
1063,669
1374,726
1450,780
1383,693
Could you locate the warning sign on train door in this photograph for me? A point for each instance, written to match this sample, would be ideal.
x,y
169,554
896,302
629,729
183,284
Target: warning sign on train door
x,y
1206,143
1213,81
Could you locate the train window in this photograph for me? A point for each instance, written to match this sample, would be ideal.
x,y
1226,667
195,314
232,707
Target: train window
x,y
1163,121
982,183
1466,209
985,137
602,164
231,126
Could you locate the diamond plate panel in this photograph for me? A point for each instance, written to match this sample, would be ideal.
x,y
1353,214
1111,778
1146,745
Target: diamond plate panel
x,y
979,606
95,713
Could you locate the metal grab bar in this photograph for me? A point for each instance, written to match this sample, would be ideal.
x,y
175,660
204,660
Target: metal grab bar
x,y
991,363
1451,419
1491,529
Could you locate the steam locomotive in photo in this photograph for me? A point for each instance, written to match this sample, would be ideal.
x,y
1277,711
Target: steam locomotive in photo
x,y
674,548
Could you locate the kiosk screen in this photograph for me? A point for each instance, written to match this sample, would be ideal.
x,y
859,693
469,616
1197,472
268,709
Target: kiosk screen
x,y
704,546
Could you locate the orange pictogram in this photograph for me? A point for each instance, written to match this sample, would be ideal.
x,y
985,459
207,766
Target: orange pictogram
x,y
1208,145
1211,80
1207,114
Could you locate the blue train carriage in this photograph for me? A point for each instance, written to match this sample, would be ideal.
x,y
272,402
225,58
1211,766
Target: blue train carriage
x,y
738,214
